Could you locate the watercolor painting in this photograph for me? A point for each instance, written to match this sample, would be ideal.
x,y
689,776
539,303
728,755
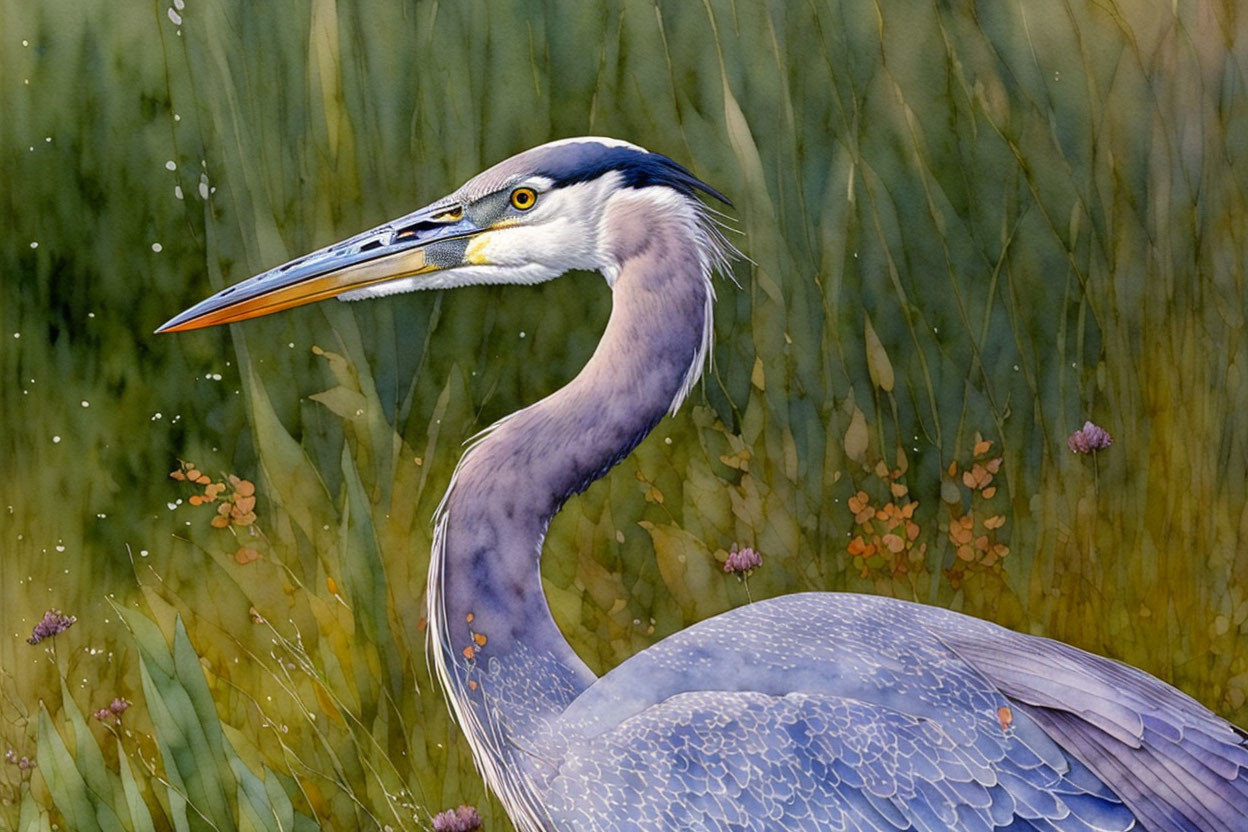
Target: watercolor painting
x,y
749,415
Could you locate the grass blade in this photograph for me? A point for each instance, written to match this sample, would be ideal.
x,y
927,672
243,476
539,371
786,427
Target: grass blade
x,y
83,810
140,815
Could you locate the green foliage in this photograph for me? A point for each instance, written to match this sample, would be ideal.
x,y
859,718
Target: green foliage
x,y
965,223
80,787
201,784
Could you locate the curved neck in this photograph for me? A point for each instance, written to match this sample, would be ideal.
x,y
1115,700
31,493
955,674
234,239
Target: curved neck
x,y
496,644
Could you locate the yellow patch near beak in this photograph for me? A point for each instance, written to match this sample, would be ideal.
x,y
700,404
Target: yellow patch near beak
x,y
476,249
477,246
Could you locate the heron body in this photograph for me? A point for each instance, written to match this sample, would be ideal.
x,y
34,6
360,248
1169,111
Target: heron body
x,y
818,711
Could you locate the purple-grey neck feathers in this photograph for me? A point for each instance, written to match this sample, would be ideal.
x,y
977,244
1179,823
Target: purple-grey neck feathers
x,y
496,644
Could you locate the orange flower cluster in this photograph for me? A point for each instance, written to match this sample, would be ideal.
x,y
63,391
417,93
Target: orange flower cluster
x,y
887,539
974,539
239,508
236,508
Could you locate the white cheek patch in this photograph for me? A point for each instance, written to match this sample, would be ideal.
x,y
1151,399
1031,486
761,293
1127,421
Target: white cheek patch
x,y
561,232
560,243
478,253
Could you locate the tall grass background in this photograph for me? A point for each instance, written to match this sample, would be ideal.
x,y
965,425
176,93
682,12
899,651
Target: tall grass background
x,y
966,224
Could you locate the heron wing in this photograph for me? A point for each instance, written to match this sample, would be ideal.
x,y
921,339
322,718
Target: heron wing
x,y
1175,764
739,760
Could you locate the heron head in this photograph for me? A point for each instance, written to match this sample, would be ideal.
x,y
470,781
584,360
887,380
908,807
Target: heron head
x,y
527,219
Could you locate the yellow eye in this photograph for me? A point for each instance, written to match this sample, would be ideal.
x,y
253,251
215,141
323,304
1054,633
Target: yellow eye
x,y
522,199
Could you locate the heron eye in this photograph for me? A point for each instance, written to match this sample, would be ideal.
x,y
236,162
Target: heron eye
x,y
522,199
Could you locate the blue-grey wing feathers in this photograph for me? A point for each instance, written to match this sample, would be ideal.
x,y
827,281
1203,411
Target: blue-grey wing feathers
x,y
847,712
751,761
1169,758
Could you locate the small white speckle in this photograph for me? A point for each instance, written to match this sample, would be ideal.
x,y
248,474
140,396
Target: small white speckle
x,y
47,138
60,547
86,403
667,440
101,515
156,247
177,117
17,335
34,244
56,440
25,43
26,81
521,334
177,192
175,17
1016,368
291,345
143,553
179,4
203,189
90,314
171,165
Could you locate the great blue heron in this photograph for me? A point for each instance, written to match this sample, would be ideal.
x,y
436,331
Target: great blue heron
x,y
813,711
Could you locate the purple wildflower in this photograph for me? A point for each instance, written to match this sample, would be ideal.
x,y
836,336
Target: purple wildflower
x,y
53,623
742,560
114,711
24,763
463,819
1089,438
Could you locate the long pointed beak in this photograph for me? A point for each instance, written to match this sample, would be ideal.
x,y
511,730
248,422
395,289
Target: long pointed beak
x,y
395,250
